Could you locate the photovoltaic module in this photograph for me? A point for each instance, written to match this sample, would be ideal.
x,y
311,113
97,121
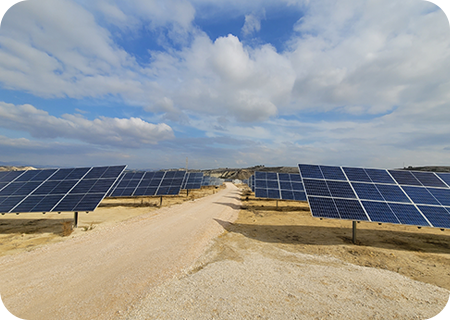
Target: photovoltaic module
x,y
284,186
146,183
60,190
365,194
192,180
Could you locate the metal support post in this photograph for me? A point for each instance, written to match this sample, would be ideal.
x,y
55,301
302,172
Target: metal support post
x,y
354,232
75,220
160,202
187,192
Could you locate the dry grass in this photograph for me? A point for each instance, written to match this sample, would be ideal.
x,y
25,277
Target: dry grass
x,y
67,228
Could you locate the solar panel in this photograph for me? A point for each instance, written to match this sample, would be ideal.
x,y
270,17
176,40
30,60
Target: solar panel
x,y
378,195
284,186
74,189
212,181
192,180
148,183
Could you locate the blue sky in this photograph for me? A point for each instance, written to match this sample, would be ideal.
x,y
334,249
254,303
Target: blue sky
x,y
224,83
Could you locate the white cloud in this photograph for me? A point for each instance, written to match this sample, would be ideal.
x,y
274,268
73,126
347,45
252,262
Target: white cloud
x,y
223,78
128,133
382,65
252,24
357,54
55,48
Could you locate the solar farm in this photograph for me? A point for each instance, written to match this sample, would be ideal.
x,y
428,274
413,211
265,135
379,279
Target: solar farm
x,y
392,220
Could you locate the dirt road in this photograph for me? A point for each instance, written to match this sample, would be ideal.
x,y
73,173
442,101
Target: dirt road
x,y
99,274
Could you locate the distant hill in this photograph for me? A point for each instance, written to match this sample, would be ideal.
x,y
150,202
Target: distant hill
x,y
429,168
245,173
16,168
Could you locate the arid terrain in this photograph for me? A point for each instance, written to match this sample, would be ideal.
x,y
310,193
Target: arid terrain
x,y
272,261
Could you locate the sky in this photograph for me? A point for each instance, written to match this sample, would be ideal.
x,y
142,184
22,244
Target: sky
x,y
149,83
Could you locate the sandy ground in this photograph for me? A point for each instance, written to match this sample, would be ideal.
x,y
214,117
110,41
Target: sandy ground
x,y
98,274
27,231
277,262
274,262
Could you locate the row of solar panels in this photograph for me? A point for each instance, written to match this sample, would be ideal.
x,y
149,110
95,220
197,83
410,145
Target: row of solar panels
x,y
159,183
273,185
363,194
391,196
75,189
82,189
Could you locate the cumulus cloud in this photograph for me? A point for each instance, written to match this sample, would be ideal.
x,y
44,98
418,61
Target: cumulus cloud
x,y
381,67
55,48
225,78
128,133
359,54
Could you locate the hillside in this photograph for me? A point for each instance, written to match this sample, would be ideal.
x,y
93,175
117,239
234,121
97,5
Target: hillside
x,y
245,173
14,168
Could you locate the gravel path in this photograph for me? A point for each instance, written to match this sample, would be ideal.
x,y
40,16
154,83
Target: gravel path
x,y
284,285
99,274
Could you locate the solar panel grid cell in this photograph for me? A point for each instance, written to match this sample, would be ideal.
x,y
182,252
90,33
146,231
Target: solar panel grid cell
x,y
287,195
332,173
438,216
428,179
77,173
43,175
272,184
323,207
392,193
357,174
27,175
367,191
284,177
261,192
310,171
316,187
408,214
350,209
420,195
273,194
340,189
379,176
441,195
61,174
379,212
285,185
445,177
297,186
404,178
299,195
11,176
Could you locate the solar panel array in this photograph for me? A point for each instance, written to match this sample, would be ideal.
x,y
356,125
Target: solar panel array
x,y
378,195
211,181
60,190
251,182
283,186
192,180
145,183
